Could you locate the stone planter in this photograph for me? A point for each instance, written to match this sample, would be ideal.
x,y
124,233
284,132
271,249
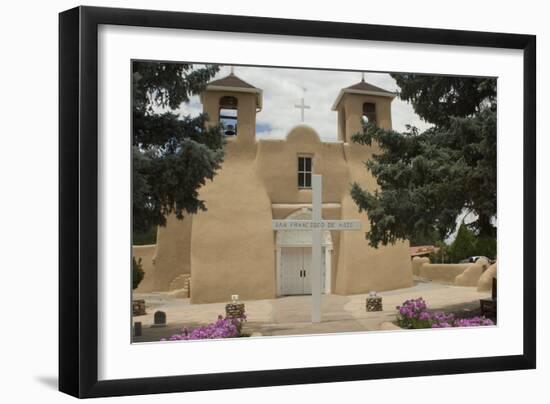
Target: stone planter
x,y
234,309
374,303
159,319
138,307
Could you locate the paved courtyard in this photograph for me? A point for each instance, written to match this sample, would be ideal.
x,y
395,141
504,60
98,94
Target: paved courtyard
x,y
291,315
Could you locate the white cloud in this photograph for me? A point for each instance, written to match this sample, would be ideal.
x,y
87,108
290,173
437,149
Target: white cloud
x,y
282,90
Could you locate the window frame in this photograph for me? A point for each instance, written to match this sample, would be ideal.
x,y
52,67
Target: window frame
x,y
304,171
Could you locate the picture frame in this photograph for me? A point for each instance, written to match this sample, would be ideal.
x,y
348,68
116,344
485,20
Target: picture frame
x,y
78,201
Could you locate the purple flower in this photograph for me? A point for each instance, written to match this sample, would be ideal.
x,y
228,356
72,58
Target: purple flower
x,y
424,316
414,313
473,322
227,327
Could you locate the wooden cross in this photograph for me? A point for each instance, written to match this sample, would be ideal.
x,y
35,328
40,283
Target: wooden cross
x,y
317,225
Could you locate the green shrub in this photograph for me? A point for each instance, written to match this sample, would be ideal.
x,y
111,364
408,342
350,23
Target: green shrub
x,y
467,244
137,272
487,246
464,245
442,255
145,237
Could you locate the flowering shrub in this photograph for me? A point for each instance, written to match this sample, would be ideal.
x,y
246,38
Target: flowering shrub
x,y
228,327
414,314
473,322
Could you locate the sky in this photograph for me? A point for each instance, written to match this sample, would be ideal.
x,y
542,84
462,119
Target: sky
x,y
284,88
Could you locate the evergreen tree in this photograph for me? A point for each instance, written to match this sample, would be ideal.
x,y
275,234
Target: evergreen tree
x,y
426,180
463,246
137,272
173,155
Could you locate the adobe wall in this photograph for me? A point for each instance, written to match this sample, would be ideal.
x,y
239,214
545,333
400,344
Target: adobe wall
x,y
485,282
173,255
232,244
277,166
230,249
362,268
471,275
358,268
246,111
442,272
353,106
417,262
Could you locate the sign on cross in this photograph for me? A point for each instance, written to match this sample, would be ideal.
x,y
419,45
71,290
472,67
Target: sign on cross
x,y
317,225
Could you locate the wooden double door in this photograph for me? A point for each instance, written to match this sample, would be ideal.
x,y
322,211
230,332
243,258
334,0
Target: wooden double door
x,y
296,270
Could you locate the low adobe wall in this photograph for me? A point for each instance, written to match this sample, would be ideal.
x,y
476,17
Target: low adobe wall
x,y
442,272
417,262
472,274
468,274
485,282
147,255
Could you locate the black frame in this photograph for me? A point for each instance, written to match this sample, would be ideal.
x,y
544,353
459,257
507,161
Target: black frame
x,y
78,175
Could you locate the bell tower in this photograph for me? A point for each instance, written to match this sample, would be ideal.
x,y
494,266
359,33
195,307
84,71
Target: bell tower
x,y
362,102
234,103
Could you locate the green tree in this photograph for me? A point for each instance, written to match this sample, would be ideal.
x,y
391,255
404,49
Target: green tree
x,y
137,272
424,239
145,237
426,180
173,155
487,246
442,255
463,246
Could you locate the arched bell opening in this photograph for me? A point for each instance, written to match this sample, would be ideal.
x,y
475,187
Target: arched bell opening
x,y
369,112
228,113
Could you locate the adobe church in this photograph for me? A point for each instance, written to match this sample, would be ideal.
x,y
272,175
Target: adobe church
x,y
231,249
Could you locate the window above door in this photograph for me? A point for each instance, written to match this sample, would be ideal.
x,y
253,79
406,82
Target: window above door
x,y
305,169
